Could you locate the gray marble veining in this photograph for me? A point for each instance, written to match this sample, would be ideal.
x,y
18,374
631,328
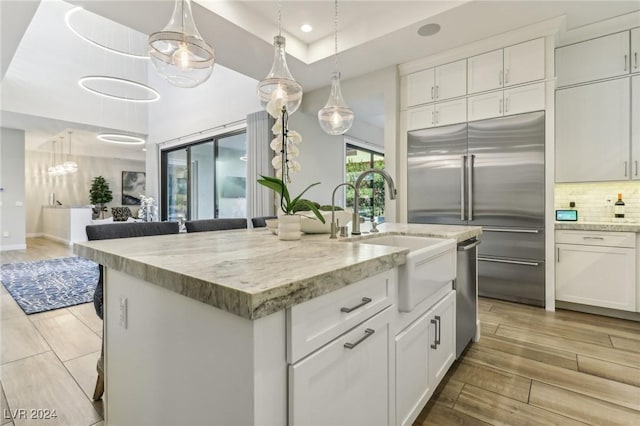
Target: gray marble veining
x,y
250,272
599,226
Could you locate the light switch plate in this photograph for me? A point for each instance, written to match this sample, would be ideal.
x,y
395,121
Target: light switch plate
x,y
123,312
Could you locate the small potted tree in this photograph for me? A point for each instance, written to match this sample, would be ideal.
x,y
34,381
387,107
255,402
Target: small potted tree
x,y
100,194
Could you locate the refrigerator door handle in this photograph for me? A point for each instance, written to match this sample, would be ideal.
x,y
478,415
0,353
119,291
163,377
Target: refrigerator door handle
x,y
462,179
512,262
470,186
515,231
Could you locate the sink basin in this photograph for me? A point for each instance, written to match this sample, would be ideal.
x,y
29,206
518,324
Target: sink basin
x,y
431,264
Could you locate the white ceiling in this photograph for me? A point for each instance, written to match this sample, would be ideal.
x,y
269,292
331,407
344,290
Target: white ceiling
x,y
373,35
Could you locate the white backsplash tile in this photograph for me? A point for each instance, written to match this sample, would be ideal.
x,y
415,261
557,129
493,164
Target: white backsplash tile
x,y
591,199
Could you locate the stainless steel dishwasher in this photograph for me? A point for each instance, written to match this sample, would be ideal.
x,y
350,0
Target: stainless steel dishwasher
x,y
466,288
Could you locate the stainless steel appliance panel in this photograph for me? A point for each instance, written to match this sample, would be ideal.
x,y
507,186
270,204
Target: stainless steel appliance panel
x,y
436,185
466,294
511,279
520,243
506,171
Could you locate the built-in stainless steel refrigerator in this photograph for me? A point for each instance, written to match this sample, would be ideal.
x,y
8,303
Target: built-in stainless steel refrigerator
x,y
488,173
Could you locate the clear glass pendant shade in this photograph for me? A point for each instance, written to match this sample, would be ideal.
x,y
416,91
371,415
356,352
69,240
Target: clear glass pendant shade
x,y
178,52
69,165
336,118
278,88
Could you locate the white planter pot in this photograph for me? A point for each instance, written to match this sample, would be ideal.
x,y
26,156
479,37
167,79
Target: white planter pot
x,y
289,227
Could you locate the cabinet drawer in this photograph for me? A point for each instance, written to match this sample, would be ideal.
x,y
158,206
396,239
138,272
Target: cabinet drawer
x,y
316,322
597,238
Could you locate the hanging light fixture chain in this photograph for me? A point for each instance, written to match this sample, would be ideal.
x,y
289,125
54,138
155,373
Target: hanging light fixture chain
x,y
280,18
335,36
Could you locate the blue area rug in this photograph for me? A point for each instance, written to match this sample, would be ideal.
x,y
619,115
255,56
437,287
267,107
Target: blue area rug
x,y
50,284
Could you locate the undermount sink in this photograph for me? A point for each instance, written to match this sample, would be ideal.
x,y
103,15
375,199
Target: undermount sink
x,y
431,264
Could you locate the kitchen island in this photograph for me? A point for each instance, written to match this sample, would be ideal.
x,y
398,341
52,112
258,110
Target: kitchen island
x,y
220,327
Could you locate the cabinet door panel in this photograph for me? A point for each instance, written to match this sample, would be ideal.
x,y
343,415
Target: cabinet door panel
x,y
597,276
524,99
413,387
592,132
420,118
485,72
451,112
340,386
602,57
441,358
635,126
635,50
524,62
484,106
451,80
420,87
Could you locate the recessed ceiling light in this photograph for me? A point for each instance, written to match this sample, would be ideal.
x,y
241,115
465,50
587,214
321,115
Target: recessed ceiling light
x,y
428,30
120,139
306,28
153,94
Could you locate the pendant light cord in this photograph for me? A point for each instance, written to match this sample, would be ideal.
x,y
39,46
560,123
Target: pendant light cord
x,y
335,26
280,18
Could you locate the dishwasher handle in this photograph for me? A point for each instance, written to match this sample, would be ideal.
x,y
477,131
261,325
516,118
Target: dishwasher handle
x,y
469,246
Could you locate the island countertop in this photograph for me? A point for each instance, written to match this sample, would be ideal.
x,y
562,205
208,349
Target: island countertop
x,y
250,273
600,226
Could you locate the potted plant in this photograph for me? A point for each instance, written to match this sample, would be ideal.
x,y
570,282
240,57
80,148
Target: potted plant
x,y
100,194
289,223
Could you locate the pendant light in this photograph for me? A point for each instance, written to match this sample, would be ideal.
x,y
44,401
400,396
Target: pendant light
x,y
336,118
51,170
69,165
178,52
278,89
60,167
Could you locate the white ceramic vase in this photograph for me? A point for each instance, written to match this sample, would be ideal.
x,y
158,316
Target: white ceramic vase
x,y
289,227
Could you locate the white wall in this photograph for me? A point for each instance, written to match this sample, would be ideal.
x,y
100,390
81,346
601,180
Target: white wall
x,y
71,189
12,194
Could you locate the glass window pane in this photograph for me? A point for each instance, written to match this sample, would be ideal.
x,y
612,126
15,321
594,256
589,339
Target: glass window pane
x,y
372,189
177,176
231,176
202,172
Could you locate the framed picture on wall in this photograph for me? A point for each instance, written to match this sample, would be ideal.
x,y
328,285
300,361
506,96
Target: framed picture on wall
x,y
133,185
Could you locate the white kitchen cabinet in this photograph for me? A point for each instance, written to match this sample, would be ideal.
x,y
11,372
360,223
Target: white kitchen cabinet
x,y
440,83
593,132
596,268
424,352
524,62
513,65
599,58
346,382
635,128
450,112
420,117
635,50
485,72
530,97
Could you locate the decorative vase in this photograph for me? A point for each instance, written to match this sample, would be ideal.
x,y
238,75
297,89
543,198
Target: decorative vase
x,y
289,227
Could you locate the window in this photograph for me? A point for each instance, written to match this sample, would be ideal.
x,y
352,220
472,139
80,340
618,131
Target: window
x,y
206,179
372,189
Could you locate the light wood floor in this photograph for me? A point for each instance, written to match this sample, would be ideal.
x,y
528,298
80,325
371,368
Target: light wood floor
x,y
531,367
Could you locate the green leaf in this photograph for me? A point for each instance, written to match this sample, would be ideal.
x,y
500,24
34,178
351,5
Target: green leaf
x,y
311,206
295,200
276,185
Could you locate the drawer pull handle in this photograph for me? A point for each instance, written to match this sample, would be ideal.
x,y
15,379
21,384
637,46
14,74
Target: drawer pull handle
x,y
510,262
593,238
518,231
434,345
367,333
439,335
365,300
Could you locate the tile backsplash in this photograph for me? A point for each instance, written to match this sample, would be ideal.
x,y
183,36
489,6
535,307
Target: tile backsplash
x,y
591,199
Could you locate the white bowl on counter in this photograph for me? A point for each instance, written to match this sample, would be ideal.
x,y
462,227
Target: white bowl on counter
x,y
310,224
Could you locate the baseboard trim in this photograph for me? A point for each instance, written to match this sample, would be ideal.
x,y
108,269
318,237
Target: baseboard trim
x,y
57,239
597,310
10,247
35,235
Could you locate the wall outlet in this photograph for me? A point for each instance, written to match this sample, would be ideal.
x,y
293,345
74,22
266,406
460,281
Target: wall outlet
x,y
123,312
5,234
19,204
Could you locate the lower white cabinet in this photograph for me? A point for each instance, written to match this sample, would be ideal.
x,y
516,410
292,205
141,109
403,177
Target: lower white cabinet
x,y
347,381
424,352
596,268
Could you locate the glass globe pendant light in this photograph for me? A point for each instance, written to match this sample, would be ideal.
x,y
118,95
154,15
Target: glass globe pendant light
x,y
278,89
60,167
70,166
178,52
51,170
336,118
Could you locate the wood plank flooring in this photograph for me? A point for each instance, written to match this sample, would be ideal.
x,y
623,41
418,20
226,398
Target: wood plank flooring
x,y
531,367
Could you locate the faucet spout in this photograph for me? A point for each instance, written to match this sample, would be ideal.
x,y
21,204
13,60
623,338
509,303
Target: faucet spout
x,y
355,229
334,225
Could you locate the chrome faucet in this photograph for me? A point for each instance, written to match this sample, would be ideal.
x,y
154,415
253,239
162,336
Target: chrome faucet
x,y
334,225
355,228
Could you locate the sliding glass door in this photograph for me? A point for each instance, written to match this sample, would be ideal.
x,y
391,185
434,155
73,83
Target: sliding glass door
x,y
206,179
372,189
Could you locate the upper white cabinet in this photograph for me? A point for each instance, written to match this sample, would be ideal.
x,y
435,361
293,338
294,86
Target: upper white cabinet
x,y
635,50
513,65
635,127
530,97
592,132
595,59
435,84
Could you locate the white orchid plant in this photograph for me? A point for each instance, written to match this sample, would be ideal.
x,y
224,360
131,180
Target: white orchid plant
x,y
148,210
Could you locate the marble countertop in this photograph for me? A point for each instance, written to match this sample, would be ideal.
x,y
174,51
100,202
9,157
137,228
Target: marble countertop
x,y
250,272
600,226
